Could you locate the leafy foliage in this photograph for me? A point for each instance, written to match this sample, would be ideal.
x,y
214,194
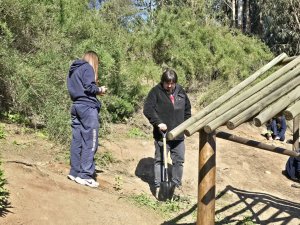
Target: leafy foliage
x,y
282,33
40,39
3,192
276,23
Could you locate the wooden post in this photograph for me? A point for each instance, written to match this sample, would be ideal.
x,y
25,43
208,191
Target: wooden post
x,y
296,133
206,178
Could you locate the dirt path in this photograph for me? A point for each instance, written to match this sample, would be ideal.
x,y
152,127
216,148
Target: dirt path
x,y
250,184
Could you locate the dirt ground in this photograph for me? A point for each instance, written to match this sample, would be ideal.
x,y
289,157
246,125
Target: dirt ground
x,y
250,186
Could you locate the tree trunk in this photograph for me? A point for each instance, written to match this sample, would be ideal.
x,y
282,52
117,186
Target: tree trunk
x,y
240,14
246,22
233,14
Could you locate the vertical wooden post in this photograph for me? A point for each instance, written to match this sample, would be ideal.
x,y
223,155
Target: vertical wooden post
x,y
206,178
296,132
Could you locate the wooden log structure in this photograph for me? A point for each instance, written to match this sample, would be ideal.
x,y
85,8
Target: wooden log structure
x,y
292,111
248,97
180,129
241,112
276,107
236,106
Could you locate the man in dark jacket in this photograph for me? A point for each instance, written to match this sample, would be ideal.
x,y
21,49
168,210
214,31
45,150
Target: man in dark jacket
x,y
166,106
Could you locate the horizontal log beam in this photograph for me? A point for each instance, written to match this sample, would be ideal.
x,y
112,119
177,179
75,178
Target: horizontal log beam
x,y
256,144
276,107
215,104
288,59
292,111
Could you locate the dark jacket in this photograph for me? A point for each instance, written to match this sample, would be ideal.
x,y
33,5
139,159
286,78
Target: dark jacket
x,y
82,85
292,168
158,108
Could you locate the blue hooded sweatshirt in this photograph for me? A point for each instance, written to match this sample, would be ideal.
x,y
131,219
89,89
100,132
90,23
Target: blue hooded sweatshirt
x,y
82,85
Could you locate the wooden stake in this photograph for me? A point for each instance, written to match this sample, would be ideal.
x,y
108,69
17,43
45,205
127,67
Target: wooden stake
x,y
296,133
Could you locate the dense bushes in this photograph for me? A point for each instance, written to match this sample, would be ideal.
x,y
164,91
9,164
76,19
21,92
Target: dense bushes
x,y
39,40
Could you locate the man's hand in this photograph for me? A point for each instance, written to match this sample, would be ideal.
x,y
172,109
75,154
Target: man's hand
x,y
162,127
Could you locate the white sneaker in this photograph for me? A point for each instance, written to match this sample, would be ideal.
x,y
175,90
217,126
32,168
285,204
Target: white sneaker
x,y
277,138
87,182
71,177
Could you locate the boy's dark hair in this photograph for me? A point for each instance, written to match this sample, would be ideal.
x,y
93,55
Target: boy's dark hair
x,y
169,76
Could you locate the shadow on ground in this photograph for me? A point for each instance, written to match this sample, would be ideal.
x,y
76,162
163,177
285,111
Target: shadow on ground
x,y
145,171
4,207
259,208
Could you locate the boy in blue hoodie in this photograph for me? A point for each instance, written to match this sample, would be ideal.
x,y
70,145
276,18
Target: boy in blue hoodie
x,y
82,87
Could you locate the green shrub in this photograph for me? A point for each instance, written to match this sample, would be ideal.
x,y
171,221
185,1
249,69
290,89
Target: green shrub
x,y
119,108
104,159
2,132
132,58
3,191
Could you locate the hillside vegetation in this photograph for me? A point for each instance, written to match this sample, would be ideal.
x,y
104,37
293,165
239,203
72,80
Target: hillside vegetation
x,y
39,40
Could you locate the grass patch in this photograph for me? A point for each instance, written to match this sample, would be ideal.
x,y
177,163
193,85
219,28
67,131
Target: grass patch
x,y
166,209
3,192
2,132
136,133
104,159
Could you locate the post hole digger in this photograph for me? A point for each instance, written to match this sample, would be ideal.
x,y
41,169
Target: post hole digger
x,y
166,189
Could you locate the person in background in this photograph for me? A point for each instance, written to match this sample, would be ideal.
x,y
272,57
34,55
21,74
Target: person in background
x,y
166,106
82,86
276,128
292,168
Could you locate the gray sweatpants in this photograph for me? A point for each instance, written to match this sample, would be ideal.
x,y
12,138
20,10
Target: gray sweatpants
x,y
177,150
